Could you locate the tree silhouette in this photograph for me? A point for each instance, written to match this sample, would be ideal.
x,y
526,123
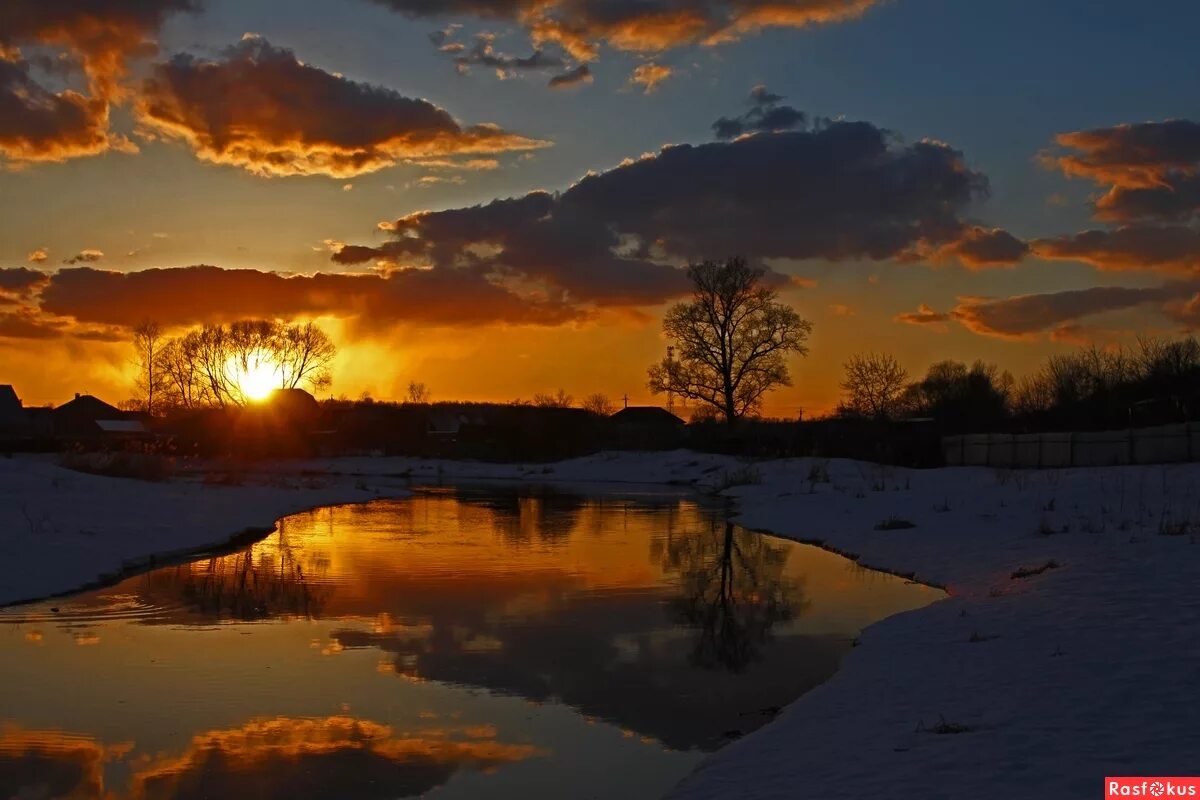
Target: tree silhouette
x,y
874,385
733,592
731,340
149,346
598,404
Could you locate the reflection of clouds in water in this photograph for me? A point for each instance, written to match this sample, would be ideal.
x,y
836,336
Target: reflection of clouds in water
x,y
52,764
273,758
333,757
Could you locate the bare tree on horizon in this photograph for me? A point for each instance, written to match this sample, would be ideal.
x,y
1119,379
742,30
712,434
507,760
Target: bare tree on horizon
x,y
731,340
874,385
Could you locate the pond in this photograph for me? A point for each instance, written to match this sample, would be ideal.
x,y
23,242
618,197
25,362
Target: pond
x,y
467,642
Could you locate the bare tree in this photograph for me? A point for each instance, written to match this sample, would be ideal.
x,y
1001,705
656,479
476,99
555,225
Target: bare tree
x,y
874,385
304,354
558,400
181,368
598,404
732,340
418,392
208,365
148,344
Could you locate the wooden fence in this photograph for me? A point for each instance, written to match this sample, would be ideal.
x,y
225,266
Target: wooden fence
x,y
1159,445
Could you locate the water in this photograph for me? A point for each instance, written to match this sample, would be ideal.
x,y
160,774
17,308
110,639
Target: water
x,y
464,643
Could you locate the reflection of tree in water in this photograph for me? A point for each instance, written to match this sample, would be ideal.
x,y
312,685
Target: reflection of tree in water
x,y
256,583
733,591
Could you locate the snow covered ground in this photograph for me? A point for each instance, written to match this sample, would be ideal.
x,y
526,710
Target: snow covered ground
x,y
1032,687
1066,652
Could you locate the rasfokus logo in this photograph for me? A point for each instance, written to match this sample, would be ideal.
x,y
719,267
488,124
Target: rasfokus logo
x,y
1151,787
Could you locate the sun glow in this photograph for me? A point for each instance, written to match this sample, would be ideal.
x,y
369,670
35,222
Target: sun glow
x,y
256,379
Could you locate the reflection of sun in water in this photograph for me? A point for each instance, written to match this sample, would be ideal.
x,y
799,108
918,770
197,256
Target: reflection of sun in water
x,y
256,380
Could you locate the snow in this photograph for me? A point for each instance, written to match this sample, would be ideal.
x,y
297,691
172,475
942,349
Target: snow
x,y
1013,687
1035,686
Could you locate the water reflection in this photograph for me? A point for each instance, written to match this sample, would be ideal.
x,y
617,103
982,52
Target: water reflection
x,y
498,642
256,584
733,591
337,757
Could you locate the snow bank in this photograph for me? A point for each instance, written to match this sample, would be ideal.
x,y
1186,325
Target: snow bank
x,y
1083,665
62,530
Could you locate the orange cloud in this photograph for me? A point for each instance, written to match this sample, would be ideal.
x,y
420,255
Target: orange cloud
x,y
580,27
1133,247
262,109
649,76
193,295
39,125
100,36
924,315
1024,317
984,248
1130,155
103,34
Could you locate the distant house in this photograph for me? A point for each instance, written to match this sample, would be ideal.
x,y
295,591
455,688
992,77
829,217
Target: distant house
x,y
295,406
87,419
447,424
647,428
14,421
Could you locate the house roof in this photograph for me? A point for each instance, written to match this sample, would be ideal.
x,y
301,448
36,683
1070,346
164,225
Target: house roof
x,y
646,415
8,396
85,405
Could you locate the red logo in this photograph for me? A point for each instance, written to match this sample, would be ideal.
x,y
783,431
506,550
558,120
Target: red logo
x,y
1164,787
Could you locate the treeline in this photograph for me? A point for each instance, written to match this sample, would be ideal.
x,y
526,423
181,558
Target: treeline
x,y
222,365
1154,382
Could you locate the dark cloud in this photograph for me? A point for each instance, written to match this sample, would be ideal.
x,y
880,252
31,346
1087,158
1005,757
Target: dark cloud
x,y
572,77
26,323
646,26
1131,155
40,125
97,36
1152,169
1176,198
21,280
102,34
262,109
983,248
484,54
487,9
765,114
193,295
848,190
1025,316
1134,247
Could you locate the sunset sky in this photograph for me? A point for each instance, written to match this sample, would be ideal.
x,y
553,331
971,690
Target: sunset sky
x,y
494,196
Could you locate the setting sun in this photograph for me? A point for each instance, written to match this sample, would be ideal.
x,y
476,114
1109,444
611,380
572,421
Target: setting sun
x,y
256,380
